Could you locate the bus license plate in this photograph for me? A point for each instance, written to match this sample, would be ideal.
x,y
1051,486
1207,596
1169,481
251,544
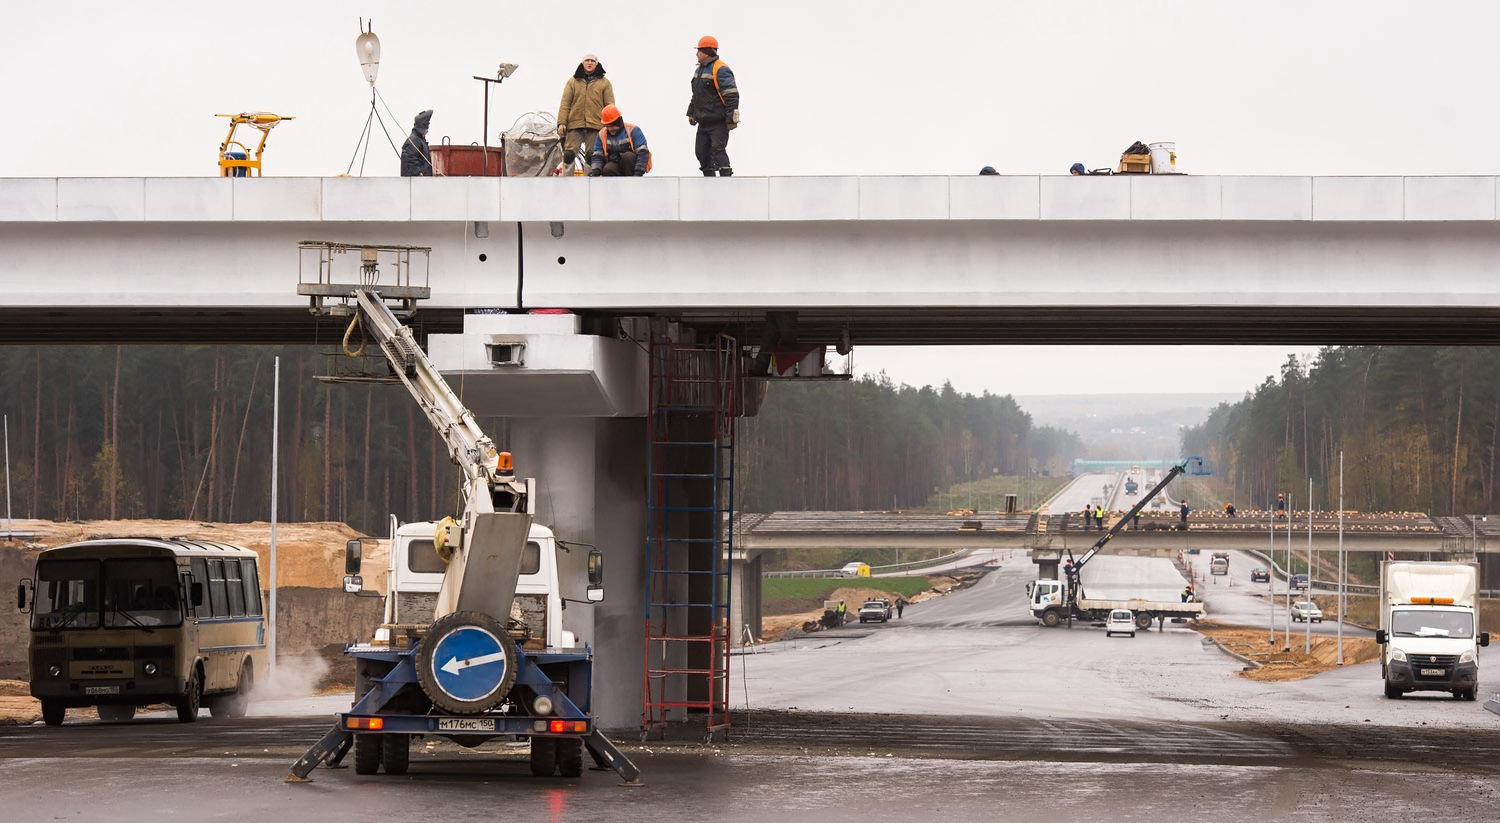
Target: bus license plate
x,y
101,689
466,724
1433,672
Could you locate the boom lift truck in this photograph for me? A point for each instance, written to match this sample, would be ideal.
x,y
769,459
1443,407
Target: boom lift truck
x,y
471,671
1053,601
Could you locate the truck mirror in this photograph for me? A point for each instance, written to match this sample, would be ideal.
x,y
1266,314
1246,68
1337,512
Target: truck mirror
x,y
21,595
1381,636
1484,638
353,557
353,584
595,594
195,593
596,572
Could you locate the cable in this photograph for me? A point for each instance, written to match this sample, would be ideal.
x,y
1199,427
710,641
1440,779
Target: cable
x,y
353,322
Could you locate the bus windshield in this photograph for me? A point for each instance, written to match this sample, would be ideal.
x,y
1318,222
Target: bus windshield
x,y
126,592
67,595
140,592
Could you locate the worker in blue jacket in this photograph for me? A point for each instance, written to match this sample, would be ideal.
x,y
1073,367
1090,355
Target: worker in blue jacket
x,y
620,149
714,109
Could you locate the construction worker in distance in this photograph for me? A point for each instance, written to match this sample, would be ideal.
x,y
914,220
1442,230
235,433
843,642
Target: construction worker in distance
x,y
1099,516
416,157
714,109
1088,516
584,97
1281,507
843,613
620,149
1183,510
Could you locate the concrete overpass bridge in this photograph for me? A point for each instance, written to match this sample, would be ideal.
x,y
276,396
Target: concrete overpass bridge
x,y
773,262
868,260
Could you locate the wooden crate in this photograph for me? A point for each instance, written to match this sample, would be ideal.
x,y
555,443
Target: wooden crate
x,y
1135,164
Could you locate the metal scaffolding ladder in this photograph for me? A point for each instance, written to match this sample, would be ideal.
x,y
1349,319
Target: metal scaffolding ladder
x,y
690,504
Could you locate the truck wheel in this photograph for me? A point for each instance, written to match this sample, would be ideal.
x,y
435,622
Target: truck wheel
x,y
446,667
1392,692
53,712
569,756
367,751
395,752
191,699
543,756
116,713
1142,621
1050,619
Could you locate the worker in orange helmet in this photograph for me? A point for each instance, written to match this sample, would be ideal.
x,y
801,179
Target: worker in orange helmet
x,y
620,150
714,109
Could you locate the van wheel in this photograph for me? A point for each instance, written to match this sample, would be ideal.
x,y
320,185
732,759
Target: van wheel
x,y
53,712
1464,694
236,704
192,698
569,757
543,756
1050,619
1392,692
367,752
395,753
116,713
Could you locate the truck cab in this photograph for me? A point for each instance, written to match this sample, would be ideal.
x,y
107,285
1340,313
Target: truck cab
x,y
1429,633
414,575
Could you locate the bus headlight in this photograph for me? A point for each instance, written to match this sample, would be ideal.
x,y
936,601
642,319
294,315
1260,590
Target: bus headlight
x,y
149,668
542,705
54,670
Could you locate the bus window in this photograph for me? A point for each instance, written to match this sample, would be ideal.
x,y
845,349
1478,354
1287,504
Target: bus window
x,y
252,586
67,595
218,599
235,588
422,557
141,591
199,566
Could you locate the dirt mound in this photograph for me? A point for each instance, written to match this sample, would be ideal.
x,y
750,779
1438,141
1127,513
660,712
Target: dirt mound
x,y
1278,663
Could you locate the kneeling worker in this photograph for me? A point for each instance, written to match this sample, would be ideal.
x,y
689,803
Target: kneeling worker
x,y
620,150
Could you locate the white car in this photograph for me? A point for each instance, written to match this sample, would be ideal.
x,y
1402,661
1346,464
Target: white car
x,y
855,569
1121,621
1305,610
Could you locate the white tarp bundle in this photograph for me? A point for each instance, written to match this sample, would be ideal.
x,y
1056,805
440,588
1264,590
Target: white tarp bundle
x,y
532,147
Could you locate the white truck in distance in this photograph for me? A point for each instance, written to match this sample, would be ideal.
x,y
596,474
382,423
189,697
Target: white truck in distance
x,y
1429,621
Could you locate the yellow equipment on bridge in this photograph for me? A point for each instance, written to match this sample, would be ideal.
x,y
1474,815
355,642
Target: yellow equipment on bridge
x,y
234,156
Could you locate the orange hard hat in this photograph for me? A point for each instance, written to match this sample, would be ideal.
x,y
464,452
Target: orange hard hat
x,y
708,41
610,114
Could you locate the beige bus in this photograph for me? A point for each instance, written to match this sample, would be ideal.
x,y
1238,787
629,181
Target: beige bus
x,y
124,622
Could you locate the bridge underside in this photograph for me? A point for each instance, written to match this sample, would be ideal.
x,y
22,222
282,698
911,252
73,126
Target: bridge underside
x,y
947,325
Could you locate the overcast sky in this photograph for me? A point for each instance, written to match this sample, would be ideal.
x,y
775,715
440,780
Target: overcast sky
x,y
1368,87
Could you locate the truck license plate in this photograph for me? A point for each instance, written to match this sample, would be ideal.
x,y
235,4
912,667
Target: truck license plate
x,y
466,724
1433,672
101,689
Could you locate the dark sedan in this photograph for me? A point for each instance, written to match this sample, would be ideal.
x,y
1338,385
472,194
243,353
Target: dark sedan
x,y
1260,576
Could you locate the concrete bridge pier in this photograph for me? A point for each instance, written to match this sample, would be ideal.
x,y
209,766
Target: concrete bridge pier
x,y
573,406
745,606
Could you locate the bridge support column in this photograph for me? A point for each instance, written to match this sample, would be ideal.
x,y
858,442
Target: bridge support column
x,y
745,610
591,477
1047,563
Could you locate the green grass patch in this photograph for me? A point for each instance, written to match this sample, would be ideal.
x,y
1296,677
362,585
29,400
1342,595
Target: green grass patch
x,y
817,588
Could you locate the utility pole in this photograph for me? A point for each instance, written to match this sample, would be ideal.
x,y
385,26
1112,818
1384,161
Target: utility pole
x,y
1341,559
10,524
1271,581
1289,510
1307,641
275,440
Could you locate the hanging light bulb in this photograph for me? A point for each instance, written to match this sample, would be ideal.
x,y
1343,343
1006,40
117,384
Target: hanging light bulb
x,y
367,46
